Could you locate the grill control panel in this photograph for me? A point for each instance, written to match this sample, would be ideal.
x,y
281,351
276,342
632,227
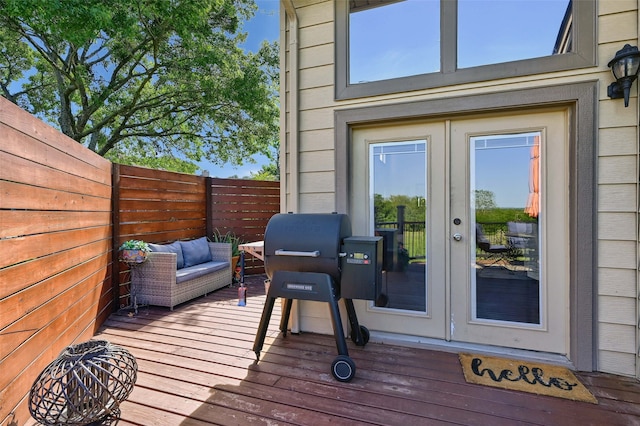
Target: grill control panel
x,y
359,258
361,268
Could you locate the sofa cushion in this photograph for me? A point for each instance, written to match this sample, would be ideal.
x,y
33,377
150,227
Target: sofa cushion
x,y
195,251
196,271
170,248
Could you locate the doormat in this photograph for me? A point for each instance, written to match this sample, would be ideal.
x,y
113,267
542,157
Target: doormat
x,y
527,376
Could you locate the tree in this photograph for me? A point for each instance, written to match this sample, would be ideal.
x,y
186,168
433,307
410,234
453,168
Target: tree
x,y
269,171
161,83
485,200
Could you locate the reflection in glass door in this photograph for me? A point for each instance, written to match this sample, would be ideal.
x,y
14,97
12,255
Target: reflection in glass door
x,y
505,209
398,213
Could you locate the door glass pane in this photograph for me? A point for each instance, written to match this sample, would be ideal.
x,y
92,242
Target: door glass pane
x,y
391,39
497,31
398,202
505,210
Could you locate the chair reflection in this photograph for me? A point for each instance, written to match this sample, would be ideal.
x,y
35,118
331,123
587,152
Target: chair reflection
x,y
497,254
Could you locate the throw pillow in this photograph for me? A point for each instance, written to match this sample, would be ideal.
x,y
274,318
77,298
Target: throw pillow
x,y
195,251
170,248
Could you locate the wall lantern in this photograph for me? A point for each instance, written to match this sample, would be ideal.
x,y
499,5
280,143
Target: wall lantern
x,y
624,67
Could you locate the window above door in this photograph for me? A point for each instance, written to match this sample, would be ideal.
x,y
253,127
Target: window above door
x,y
389,46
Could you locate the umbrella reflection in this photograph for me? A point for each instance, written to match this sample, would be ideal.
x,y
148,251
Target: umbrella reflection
x,y
533,202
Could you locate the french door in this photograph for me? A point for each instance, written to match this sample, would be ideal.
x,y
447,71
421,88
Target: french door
x,y
473,215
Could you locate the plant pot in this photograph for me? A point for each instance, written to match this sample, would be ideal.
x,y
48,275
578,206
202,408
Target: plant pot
x,y
235,269
133,256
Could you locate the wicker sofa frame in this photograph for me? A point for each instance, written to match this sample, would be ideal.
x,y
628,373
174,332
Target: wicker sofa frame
x,y
154,281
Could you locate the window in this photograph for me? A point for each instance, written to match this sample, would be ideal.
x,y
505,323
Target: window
x,y
388,46
397,39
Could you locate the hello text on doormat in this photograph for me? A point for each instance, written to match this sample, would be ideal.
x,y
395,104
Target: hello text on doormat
x,y
541,379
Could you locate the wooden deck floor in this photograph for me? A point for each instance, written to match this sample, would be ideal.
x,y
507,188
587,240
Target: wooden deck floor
x,y
197,367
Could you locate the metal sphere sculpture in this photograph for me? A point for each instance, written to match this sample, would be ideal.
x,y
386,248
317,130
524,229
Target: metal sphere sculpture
x,y
85,384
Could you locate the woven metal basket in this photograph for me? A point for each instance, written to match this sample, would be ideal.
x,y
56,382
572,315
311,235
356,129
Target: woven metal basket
x,y
85,384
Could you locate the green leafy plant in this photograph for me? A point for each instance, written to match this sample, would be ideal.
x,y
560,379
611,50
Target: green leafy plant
x,y
135,245
228,237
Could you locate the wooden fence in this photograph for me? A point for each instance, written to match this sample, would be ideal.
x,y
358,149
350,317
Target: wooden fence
x,y
158,207
64,211
55,240
243,207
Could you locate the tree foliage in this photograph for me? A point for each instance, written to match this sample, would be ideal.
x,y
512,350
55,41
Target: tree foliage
x,y
386,209
485,200
159,83
269,171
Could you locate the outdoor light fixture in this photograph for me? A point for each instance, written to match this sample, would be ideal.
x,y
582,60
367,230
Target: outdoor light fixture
x,y
624,67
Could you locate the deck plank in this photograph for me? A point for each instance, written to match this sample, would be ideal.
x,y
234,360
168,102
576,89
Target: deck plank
x,y
197,367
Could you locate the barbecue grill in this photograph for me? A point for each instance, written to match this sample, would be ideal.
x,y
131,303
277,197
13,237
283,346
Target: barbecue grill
x,y
315,257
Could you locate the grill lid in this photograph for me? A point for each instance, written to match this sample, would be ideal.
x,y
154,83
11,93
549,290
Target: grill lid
x,y
305,242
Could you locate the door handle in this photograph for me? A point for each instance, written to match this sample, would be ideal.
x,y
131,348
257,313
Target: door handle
x,y
457,236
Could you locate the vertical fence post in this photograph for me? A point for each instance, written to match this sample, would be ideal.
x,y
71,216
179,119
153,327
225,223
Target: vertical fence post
x,y
400,223
115,234
208,189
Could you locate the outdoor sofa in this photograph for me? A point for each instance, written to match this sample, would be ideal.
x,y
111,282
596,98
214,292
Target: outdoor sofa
x,y
177,272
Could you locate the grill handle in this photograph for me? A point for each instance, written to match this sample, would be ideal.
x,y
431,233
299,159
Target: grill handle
x,y
282,252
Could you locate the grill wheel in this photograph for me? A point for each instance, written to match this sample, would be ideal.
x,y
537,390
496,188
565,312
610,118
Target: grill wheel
x,y
343,368
364,336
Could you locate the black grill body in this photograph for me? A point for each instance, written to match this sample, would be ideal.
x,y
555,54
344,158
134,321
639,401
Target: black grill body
x,y
305,243
305,258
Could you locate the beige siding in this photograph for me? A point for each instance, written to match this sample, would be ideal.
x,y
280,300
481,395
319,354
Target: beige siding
x,y
617,254
618,141
610,26
617,198
316,119
615,338
617,310
317,203
316,161
619,169
318,97
616,226
314,77
616,282
316,56
617,165
616,6
317,140
616,362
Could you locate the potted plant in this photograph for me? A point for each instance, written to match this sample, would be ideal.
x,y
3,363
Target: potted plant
x,y
134,251
231,238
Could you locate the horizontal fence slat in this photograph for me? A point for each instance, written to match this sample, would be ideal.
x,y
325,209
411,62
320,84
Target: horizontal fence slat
x,y
153,194
91,167
143,228
132,183
16,223
162,207
18,169
164,237
17,277
245,191
152,216
16,250
27,197
248,217
28,325
264,185
159,175
13,117
29,359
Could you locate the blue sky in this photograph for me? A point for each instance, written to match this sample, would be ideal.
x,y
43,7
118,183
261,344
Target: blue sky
x,y
265,25
488,32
